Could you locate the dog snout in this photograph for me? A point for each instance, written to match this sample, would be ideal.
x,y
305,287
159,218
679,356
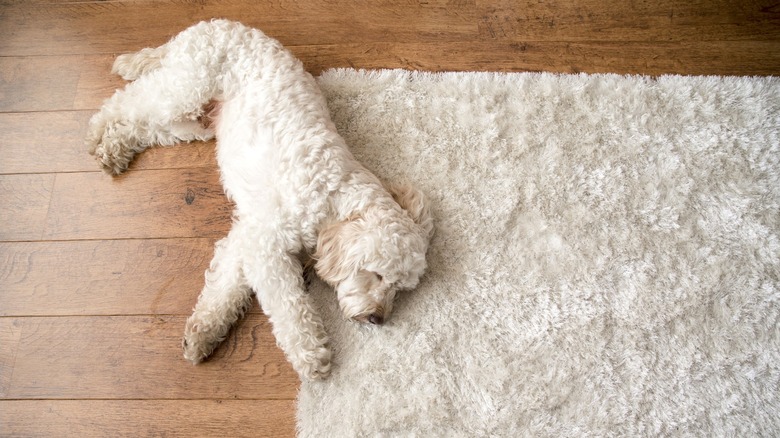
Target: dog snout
x,y
376,319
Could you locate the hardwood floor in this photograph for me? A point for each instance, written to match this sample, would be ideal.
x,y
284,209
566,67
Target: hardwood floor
x,y
99,273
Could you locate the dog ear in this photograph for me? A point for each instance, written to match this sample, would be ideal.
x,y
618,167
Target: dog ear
x,y
333,263
415,203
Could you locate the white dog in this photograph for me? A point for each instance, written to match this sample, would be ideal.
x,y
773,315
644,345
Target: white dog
x,y
296,187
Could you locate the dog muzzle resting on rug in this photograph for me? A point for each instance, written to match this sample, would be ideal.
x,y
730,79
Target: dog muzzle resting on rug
x,y
297,188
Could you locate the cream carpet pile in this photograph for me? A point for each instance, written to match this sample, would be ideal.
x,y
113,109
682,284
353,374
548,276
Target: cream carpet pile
x,y
606,259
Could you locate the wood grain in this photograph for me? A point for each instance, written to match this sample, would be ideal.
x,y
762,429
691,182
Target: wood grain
x,y
700,58
140,358
103,277
634,21
145,418
119,26
111,27
138,204
68,79
26,83
44,142
24,203
10,332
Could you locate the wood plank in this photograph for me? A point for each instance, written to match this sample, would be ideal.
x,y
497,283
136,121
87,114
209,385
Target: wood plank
x,y
119,26
141,358
657,21
27,148
22,79
10,332
138,204
111,27
44,142
701,58
24,202
134,418
102,277
704,58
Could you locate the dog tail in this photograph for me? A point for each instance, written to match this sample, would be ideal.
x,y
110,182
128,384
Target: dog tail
x,y
131,66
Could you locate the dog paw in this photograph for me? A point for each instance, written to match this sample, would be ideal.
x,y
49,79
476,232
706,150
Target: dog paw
x,y
198,342
315,364
126,66
110,162
111,143
131,66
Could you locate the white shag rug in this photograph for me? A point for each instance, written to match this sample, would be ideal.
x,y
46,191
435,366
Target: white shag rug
x,y
606,259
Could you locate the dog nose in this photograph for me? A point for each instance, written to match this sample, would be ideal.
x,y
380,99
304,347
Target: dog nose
x,y
375,319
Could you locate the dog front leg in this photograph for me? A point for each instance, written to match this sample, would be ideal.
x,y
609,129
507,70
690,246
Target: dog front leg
x,y
278,281
224,299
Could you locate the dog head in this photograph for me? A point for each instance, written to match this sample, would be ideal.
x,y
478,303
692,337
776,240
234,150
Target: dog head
x,y
372,255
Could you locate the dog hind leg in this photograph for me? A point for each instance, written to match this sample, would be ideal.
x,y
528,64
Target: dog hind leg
x,y
153,110
224,299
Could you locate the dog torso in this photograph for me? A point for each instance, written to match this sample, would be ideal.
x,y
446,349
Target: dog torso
x,y
277,146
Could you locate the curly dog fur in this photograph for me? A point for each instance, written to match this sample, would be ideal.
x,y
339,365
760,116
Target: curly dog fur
x,y
296,187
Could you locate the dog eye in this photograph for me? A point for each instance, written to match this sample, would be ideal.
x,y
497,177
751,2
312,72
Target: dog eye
x,y
378,276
